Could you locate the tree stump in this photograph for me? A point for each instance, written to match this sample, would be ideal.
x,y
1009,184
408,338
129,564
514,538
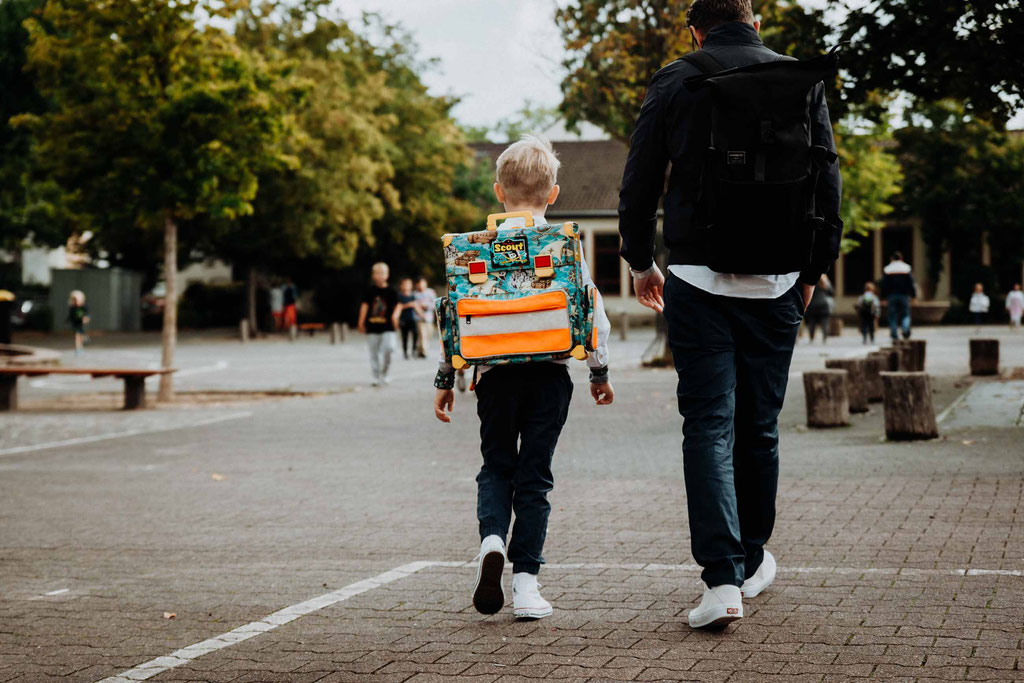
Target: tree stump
x,y
915,357
984,356
909,414
835,327
891,356
857,381
874,366
828,403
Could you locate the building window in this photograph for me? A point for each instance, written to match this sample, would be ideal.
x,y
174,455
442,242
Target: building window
x,y
605,268
859,267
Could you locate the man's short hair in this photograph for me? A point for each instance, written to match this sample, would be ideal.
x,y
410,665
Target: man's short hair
x,y
704,15
527,171
897,256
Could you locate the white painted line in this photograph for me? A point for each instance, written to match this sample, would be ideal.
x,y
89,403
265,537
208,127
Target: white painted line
x,y
268,623
119,435
953,406
58,592
287,615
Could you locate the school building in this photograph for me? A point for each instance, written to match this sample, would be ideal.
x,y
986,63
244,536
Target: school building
x,y
589,180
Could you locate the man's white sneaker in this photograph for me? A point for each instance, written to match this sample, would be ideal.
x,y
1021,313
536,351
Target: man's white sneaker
x,y
526,600
761,579
720,605
488,593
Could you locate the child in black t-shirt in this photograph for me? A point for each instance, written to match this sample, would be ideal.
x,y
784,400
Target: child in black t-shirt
x,y
378,319
78,318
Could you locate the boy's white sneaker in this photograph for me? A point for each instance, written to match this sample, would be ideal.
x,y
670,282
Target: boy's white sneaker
x,y
720,605
526,600
488,593
761,579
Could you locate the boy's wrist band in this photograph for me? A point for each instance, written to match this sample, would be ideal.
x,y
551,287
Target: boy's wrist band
x,y
643,274
599,375
443,380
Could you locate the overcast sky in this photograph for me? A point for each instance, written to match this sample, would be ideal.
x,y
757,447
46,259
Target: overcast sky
x,y
493,54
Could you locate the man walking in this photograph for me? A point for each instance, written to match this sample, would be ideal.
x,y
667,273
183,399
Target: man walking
x,y
899,291
745,254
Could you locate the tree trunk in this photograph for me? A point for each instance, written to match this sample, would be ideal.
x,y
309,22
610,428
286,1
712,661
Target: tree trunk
x,y
915,357
909,413
169,337
891,356
984,356
857,384
874,366
828,403
251,301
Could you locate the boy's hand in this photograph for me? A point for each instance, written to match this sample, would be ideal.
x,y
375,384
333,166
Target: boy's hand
x,y
444,398
603,393
362,328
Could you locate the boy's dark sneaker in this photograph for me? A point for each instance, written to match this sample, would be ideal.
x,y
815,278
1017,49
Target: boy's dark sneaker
x,y
488,593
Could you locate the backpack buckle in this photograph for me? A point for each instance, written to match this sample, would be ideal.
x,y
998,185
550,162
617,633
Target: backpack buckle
x,y
478,272
543,266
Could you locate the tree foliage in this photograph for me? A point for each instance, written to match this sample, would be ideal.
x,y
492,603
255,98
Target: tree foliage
x,y
967,51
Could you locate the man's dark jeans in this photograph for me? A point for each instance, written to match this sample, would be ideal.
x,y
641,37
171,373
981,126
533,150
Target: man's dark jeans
x,y
732,357
899,315
522,410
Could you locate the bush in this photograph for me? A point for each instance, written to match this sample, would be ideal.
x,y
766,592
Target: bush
x,y
216,305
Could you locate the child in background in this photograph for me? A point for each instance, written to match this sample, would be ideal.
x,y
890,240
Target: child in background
x,y
522,410
869,307
1015,306
408,317
979,304
378,320
78,317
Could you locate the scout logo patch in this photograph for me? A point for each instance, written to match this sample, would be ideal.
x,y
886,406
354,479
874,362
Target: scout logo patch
x,y
509,252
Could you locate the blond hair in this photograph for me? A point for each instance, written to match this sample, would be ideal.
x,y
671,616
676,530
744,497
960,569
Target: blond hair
x,y
77,298
528,170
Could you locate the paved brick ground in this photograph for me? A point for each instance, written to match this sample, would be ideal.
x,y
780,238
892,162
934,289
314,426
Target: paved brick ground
x,y
312,495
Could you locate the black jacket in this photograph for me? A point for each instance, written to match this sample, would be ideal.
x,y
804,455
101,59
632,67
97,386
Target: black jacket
x,y
674,126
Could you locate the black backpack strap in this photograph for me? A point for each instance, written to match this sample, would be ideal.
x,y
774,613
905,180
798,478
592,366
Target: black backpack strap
x,y
703,61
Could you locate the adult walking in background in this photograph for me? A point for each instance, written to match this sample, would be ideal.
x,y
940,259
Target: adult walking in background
x,y
1015,306
290,295
899,291
741,272
979,304
277,306
408,317
820,309
425,298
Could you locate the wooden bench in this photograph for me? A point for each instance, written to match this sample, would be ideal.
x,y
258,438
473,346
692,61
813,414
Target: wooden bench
x,y
134,382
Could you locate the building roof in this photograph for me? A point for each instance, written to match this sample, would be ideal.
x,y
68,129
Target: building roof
x,y
589,178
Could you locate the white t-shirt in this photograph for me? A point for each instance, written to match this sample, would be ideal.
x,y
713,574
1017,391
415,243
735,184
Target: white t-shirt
x,y
733,285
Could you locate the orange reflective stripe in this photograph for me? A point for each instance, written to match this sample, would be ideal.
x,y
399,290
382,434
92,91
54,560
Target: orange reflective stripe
x,y
548,301
593,307
545,341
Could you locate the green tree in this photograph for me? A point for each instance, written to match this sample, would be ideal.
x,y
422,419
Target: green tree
x,y
965,181
872,176
970,51
155,120
30,207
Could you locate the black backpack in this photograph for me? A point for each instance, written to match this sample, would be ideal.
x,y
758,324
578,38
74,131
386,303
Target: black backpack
x,y
755,212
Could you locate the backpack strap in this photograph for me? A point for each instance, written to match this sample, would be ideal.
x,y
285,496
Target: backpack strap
x,y
703,61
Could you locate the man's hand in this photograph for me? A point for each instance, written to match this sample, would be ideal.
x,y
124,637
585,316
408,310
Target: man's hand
x,y
444,398
807,291
650,290
603,393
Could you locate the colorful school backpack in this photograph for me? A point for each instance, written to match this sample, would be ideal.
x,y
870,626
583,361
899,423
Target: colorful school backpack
x,y
515,295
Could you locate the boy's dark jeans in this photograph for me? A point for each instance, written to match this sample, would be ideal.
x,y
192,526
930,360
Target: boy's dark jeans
x,y
732,357
522,410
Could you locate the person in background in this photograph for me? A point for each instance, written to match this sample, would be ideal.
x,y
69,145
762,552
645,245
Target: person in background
x,y
408,317
277,307
869,308
78,317
378,320
290,297
899,292
1015,306
979,304
425,298
820,309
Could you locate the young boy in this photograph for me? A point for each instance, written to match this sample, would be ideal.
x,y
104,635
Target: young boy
x,y
522,409
868,309
378,320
